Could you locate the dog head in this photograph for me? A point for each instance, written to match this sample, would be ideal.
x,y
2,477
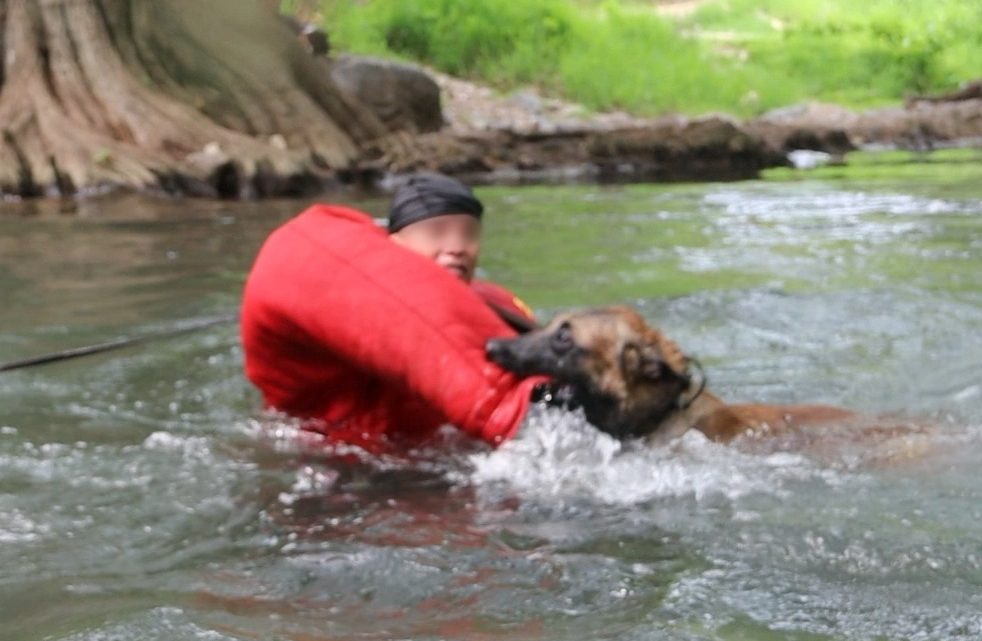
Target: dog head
x,y
626,375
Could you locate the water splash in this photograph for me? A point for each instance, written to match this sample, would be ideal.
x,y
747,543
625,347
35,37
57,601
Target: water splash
x,y
559,455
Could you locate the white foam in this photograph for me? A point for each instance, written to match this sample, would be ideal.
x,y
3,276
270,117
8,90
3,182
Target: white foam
x,y
771,203
17,527
310,480
558,454
190,446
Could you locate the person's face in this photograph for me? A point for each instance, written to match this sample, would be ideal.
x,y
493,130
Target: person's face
x,y
453,241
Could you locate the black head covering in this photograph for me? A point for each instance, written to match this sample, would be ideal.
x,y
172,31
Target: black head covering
x,y
426,195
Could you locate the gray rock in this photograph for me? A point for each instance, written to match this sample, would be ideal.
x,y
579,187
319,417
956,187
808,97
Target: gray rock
x,y
403,96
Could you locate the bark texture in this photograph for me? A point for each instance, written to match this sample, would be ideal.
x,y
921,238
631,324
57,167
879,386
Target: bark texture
x,y
213,98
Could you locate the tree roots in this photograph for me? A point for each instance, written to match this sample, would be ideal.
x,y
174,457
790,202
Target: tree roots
x,y
209,98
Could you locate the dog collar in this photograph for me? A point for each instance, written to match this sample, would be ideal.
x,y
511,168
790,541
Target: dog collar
x,y
685,403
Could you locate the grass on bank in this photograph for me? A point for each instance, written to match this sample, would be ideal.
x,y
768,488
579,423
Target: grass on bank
x,y
856,53
739,56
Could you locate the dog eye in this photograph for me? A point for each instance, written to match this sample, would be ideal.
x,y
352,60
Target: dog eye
x,y
562,339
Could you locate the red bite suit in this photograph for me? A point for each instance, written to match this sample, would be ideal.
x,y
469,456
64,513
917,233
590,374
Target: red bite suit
x,y
370,341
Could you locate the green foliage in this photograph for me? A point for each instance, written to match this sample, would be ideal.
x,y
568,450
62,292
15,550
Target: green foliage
x,y
605,55
856,53
742,56
501,41
633,59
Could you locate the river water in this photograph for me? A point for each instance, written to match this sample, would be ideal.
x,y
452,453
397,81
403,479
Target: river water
x,y
143,495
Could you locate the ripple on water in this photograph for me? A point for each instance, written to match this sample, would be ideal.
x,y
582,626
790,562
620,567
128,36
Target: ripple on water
x,y
125,508
157,624
779,203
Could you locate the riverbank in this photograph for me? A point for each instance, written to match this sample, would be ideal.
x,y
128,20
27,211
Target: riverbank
x,y
522,137
296,117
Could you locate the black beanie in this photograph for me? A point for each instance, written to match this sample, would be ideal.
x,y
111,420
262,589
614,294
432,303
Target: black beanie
x,y
426,195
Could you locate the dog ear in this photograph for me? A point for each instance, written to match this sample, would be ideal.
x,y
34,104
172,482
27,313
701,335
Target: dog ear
x,y
642,361
655,358
670,352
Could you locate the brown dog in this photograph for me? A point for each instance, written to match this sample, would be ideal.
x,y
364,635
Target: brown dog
x,y
632,381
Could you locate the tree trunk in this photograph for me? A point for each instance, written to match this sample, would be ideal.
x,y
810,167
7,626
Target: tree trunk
x,y
213,98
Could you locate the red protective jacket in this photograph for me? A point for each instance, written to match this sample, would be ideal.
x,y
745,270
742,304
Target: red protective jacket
x,y
370,340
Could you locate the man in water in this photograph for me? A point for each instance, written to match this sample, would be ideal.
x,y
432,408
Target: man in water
x,y
378,337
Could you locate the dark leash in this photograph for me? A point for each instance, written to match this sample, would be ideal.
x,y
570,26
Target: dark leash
x,y
517,322
126,341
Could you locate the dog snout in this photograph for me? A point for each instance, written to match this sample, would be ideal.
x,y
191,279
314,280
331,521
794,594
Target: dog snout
x,y
523,355
508,353
496,350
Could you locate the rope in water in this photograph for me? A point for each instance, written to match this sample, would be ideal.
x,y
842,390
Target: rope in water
x,y
519,323
126,341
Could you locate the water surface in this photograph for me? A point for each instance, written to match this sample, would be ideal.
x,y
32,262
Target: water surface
x,y
144,496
